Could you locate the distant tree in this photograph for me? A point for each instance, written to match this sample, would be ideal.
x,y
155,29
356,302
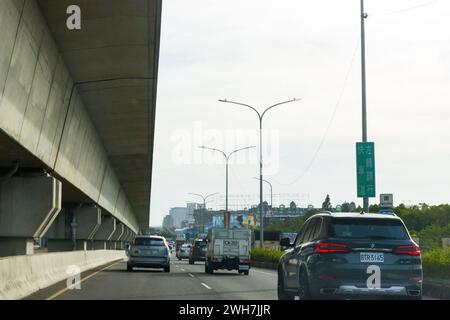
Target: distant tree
x,y
265,206
348,206
292,206
289,225
326,205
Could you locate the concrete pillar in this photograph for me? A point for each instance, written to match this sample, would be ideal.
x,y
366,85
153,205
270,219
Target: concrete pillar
x,y
59,235
89,218
131,236
28,207
106,229
127,236
119,232
75,227
117,236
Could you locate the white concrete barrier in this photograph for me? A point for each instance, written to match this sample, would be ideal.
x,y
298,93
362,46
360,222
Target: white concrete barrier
x,y
20,276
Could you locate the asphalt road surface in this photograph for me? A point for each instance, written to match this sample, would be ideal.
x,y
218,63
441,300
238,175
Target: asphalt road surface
x,y
184,282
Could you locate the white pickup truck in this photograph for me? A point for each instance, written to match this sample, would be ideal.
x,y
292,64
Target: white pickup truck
x,y
228,249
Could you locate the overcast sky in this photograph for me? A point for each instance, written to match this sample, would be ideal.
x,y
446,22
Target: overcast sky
x,y
262,52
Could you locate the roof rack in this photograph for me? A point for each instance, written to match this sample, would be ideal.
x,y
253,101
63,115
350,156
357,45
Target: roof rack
x,y
387,212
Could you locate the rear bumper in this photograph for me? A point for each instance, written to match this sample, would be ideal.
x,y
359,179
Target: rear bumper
x,y
229,264
397,291
148,262
183,255
198,258
350,279
328,290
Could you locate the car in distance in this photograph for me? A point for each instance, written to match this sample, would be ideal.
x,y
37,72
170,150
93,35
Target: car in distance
x,y
351,255
198,251
149,252
183,251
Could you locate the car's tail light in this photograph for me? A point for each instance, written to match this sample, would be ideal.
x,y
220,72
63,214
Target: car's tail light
x,y
412,249
327,247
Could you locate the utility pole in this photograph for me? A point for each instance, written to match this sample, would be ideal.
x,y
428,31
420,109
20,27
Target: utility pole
x,y
363,88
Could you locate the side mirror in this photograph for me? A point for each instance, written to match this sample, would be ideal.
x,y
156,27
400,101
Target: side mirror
x,y
285,242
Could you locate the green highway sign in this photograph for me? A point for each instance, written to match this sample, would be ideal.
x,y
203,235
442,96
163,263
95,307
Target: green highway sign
x,y
365,169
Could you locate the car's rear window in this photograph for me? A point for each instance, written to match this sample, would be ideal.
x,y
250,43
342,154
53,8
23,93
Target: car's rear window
x,y
200,244
152,242
366,228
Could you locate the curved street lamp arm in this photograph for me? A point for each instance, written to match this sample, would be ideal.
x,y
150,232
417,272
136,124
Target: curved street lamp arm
x,y
210,195
277,104
196,194
242,104
263,180
223,153
249,147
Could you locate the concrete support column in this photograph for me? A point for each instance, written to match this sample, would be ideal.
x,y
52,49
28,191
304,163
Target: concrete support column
x,y
28,207
117,236
119,232
102,238
89,219
75,228
59,234
127,236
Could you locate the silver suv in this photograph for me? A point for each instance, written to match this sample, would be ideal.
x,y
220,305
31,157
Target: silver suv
x,y
149,252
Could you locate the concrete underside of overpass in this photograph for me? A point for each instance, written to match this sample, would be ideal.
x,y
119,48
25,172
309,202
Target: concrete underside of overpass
x,y
80,104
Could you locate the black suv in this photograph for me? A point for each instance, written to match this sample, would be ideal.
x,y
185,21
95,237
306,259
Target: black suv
x,y
351,255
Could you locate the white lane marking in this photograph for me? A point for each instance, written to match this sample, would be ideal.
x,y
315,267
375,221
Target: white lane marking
x,y
176,266
191,275
182,269
206,286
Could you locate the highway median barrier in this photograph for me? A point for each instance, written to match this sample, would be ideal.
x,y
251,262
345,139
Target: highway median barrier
x,y
23,275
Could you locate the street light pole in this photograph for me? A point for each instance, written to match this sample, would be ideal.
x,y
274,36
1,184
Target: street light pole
x,y
204,201
227,157
260,117
271,194
363,88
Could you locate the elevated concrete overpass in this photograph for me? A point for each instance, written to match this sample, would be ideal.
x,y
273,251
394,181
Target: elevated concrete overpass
x,y
77,113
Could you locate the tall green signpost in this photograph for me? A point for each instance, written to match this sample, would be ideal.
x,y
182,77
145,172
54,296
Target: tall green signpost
x,y
365,169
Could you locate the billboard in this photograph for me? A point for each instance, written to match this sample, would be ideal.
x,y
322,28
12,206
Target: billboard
x,y
290,235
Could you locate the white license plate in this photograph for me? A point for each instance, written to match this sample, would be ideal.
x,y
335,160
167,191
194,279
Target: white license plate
x,y
371,257
243,267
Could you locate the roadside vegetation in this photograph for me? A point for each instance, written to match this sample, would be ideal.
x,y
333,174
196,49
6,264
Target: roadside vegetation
x,y
265,254
436,263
